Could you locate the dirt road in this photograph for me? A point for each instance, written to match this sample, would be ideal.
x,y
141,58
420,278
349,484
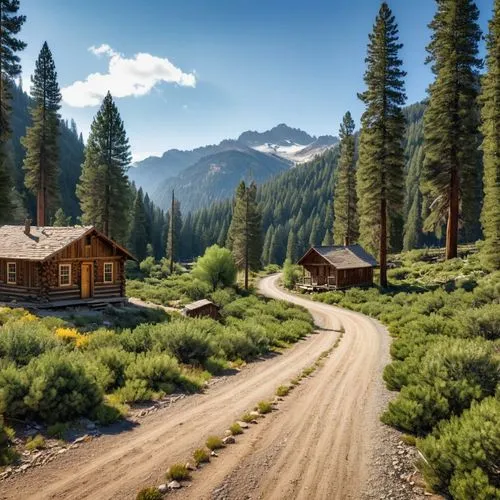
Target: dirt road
x,y
315,447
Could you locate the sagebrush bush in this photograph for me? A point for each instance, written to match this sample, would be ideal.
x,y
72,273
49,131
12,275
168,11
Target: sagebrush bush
x,y
21,340
60,389
451,375
236,429
7,451
160,371
264,407
283,390
461,455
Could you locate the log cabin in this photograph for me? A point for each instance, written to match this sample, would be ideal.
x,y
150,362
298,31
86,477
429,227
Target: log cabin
x,y
336,267
60,266
201,308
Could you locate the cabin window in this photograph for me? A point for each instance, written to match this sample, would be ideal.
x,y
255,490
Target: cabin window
x,y
108,272
64,274
11,273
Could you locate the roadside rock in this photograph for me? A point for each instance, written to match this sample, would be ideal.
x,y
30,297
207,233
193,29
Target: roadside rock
x,y
229,440
174,485
163,488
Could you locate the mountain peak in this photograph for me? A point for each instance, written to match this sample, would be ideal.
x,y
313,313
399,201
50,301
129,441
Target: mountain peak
x,y
280,135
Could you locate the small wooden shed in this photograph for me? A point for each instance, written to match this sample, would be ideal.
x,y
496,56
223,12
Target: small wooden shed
x,y
202,307
334,267
61,265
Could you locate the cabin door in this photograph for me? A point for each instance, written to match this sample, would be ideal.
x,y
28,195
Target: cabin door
x,y
86,281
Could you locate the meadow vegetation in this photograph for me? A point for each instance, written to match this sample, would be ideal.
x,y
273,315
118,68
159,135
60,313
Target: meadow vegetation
x,y
53,371
445,320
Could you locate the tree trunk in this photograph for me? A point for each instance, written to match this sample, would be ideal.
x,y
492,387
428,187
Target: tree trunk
x,y
453,213
172,222
40,204
346,241
383,243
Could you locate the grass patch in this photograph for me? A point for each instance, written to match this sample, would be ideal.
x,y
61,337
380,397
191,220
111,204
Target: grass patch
x,y
283,390
150,493
214,443
409,439
35,443
236,429
295,381
264,407
58,430
178,472
308,371
246,417
201,456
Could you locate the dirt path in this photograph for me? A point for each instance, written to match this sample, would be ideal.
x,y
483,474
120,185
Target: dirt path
x,y
317,445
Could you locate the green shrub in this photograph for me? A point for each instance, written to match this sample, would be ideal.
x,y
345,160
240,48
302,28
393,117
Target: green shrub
x,y
214,443
283,390
137,340
177,472
201,456
58,430
107,413
8,453
159,371
461,455
35,443
150,493
216,267
264,407
291,274
187,340
14,387
60,389
116,361
451,375
246,417
21,341
133,391
223,296
236,429
484,322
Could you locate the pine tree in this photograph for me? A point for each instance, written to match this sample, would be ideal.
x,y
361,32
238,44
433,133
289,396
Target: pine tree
x,y
61,219
245,232
41,140
291,247
104,191
315,235
381,159
451,173
267,245
346,223
490,100
174,231
10,26
138,239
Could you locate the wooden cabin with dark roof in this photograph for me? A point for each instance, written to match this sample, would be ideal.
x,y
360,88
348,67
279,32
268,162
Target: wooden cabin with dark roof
x,y
336,267
60,266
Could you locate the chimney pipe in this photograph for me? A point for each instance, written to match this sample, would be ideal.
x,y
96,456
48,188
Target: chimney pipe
x,y
27,226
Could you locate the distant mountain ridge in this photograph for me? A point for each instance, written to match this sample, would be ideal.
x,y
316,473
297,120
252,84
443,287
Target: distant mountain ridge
x,y
285,144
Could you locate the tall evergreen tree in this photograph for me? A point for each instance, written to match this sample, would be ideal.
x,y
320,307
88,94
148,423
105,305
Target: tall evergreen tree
x,y
61,219
267,245
490,100
451,175
10,26
381,159
245,232
346,224
41,140
291,247
174,231
104,191
138,239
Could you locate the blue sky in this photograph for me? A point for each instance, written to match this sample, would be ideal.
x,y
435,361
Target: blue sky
x,y
211,69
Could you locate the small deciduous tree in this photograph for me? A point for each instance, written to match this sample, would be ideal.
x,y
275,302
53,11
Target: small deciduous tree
x,y
216,267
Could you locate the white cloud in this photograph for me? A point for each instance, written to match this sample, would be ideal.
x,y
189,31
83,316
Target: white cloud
x,y
125,77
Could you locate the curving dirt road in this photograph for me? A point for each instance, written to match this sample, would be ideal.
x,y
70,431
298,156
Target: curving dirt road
x,y
316,447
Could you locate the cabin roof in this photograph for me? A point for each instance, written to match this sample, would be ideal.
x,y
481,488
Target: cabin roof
x,y
43,242
343,257
198,304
